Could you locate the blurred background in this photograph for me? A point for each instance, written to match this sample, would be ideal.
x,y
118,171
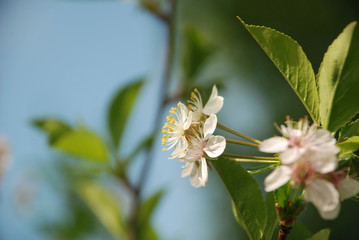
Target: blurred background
x,y
67,59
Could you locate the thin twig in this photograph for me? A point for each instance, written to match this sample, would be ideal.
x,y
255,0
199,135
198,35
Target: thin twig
x,y
249,157
241,143
237,133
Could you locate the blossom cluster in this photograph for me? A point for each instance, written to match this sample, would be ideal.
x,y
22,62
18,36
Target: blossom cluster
x,y
308,157
189,132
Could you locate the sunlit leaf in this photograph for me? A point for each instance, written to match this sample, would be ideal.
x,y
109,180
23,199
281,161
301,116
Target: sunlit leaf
x,y
55,128
350,130
82,143
349,145
120,109
338,79
291,61
104,206
247,198
321,235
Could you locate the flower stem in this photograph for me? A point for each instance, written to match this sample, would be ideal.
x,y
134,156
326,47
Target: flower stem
x,y
242,143
250,157
248,160
238,133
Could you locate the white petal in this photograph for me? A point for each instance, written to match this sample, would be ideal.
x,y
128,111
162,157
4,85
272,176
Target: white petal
x,y
195,177
215,146
209,126
322,194
181,148
274,145
277,178
187,123
204,172
214,103
291,155
348,188
322,162
332,214
187,169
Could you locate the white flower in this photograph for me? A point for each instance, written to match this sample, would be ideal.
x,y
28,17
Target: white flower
x,y
316,144
201,146
324,196
348,187
175,129
213,105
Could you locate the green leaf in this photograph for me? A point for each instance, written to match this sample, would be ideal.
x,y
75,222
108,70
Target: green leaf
x,y
352,129
272,218
348,146
147,208
261,169
321,235
338,80
146,230
82,143
290,59
195,52
55,128
120,109
299,232
104,206
248,200
282,195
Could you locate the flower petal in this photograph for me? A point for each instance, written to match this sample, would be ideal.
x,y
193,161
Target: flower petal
x,y
215,146
181,148
204,172
188,169
323,162
274,145
209,126
188,121
214,104
348,188
277,178
332,214
291,155
323,195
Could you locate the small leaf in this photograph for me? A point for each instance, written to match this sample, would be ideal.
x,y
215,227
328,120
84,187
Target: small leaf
x,y
146,230
261,169
195,52
104,206
120,109
348,146
291,61
248,200
82,143
148,207
282,195
321,235
299,232
55,128
338,80
272,218
352,129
